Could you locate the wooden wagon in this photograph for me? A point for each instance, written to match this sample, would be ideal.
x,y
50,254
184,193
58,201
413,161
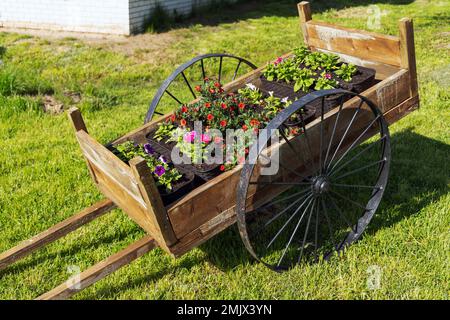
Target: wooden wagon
x,y
210,208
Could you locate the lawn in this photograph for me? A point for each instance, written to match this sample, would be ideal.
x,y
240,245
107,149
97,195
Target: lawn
x,y
43,178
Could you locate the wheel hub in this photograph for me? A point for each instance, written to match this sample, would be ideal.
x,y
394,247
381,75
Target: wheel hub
x,y
321,185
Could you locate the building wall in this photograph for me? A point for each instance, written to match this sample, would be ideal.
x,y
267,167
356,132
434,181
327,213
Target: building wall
x,y
102,16
99,16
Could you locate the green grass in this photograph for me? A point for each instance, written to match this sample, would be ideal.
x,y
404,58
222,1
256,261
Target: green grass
x,y
43,178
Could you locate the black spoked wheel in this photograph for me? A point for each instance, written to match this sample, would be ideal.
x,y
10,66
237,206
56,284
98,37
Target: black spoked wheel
x,y
307,192
179,87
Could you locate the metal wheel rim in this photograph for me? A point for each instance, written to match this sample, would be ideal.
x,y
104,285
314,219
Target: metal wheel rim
x,y
166,84
372,204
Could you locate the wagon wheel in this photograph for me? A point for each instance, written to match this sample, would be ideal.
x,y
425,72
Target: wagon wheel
x,y
179,86
318,193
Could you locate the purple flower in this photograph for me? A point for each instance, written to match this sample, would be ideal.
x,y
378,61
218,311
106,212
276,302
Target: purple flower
x,y
148,149
162,159
159,170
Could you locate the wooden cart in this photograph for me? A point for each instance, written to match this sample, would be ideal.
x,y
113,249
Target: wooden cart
x,y
211,208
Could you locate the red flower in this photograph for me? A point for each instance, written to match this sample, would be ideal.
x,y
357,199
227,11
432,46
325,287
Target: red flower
x,y
184,109
207,104
223,105
198,88
256,130
222,168
246,150
223,123
212,90
209,117
244,127
217,85
172,118
241,105
254,123
183,122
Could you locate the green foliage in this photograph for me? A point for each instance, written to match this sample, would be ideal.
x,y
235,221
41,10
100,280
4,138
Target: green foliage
x,y
163,172
303,80
164,130
325,81
346,71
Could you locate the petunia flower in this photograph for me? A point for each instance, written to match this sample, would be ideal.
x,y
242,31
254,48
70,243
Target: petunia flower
x,y
148,149
327,76
205,138
159,170
162,159
251,86
285,100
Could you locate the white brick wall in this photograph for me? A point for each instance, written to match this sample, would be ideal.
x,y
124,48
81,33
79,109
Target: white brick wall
x,y
100,16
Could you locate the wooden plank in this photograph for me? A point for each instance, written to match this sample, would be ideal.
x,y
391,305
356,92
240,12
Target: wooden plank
x,y
56,232
100,270
118,171
357,43
382,70
408,53
152,198
78,124
304,12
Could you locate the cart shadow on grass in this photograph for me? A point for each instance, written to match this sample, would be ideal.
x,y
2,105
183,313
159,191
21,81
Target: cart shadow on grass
x,y
407,191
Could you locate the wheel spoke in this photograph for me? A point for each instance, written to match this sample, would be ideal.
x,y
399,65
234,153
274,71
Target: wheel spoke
x,y
310,199
307,140
353,186
306,231
295,231
316,235
220,68
203,71
173,97
349,200
361,169
332,171
355,142
321,136
267,223
295,152
334,129
188,84
345,134
283,166
338,210
236,71
330,226
283,199
280,183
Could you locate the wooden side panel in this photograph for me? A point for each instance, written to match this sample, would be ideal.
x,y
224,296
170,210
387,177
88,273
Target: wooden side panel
x,y
116,181
356,43
408,53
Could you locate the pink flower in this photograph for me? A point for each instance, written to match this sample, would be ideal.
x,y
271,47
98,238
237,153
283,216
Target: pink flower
x,y
327,76
278,61
189,136
205,138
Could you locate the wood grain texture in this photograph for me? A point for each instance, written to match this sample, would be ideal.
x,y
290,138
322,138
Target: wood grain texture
x,y
357,43
408,53
56,232
152,198
304,13
100,270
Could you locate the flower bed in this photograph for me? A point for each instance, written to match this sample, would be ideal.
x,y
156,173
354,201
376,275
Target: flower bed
x,y
173,182
307,71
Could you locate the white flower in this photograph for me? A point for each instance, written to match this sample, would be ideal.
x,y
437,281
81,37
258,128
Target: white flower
x,y
251,86
285,100
271,93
